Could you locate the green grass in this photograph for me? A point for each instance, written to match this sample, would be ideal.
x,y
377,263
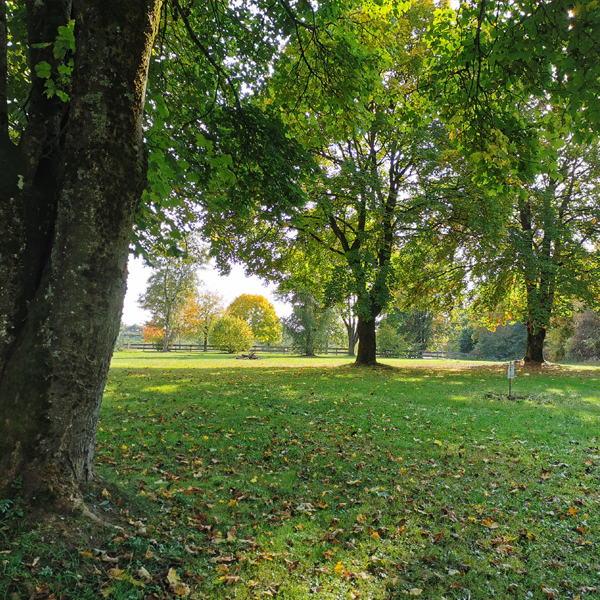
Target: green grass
x,y
308,478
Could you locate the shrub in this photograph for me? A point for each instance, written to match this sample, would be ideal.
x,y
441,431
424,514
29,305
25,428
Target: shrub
x,y
154,335
231,335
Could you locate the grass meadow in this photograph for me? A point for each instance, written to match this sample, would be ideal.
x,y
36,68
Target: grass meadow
x,y
301,478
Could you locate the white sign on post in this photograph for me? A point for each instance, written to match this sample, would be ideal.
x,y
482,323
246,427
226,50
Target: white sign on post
x,y
511,370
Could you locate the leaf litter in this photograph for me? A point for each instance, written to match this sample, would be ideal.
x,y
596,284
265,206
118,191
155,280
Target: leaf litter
x,y
310,481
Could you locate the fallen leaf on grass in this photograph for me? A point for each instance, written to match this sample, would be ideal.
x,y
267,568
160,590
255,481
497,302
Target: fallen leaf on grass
x,y
118,574
413,592
550,592
230,579
109,559
272,590
176,585
490,523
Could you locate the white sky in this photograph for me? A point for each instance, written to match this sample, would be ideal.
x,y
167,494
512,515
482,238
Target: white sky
x,y
229,287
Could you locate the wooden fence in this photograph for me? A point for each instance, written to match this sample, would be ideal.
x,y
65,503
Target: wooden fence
x,y
336,351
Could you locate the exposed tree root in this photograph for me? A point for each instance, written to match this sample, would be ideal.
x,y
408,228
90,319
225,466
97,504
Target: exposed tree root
x,y
90,516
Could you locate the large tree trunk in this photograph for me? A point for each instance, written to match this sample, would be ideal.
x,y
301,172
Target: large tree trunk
x,y
69,193
367,343
534,349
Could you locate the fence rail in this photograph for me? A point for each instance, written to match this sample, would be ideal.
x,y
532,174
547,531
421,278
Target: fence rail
x,y
336,351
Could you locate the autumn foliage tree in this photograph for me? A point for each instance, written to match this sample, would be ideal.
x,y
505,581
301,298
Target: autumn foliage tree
x,y
260,314
200,313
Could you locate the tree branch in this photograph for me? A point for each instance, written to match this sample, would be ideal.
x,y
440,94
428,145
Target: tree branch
x,y
218,68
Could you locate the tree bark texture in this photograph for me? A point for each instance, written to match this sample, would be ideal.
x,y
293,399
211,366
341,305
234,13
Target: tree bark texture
x,y
352,339
68,195
367,342
534,348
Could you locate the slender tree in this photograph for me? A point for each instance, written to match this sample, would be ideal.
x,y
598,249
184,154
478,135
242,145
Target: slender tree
x,y
310,324
200,313
170,287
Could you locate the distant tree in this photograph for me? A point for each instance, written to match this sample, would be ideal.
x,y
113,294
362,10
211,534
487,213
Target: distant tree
x,y
231,334
350,321
309,269
465,339
260,314
557,342
131,334
389,339
584,344
173,281
506,342
199,314
310,324
409,330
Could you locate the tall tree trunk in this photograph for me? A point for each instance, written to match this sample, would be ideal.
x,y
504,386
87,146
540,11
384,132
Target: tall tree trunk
x,y
167,339
534,349
352,339
67,203
367,342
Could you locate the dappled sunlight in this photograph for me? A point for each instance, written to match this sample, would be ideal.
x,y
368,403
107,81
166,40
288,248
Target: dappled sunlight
x,y
163,389
595,400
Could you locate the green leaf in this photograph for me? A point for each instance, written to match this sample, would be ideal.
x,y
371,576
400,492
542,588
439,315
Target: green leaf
x,y
43,70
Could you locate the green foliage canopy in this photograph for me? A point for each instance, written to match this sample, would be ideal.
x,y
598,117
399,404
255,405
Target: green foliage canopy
x,y
231,334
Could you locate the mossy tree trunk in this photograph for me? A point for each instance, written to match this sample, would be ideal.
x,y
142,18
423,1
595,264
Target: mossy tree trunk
x,y
68,194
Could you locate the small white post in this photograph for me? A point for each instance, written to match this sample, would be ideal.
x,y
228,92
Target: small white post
x,y
511,376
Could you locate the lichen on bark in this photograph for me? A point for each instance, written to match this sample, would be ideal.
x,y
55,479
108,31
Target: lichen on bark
x,y
65,250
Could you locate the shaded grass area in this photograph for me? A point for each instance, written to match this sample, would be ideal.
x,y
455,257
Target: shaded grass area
x,y
304,478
